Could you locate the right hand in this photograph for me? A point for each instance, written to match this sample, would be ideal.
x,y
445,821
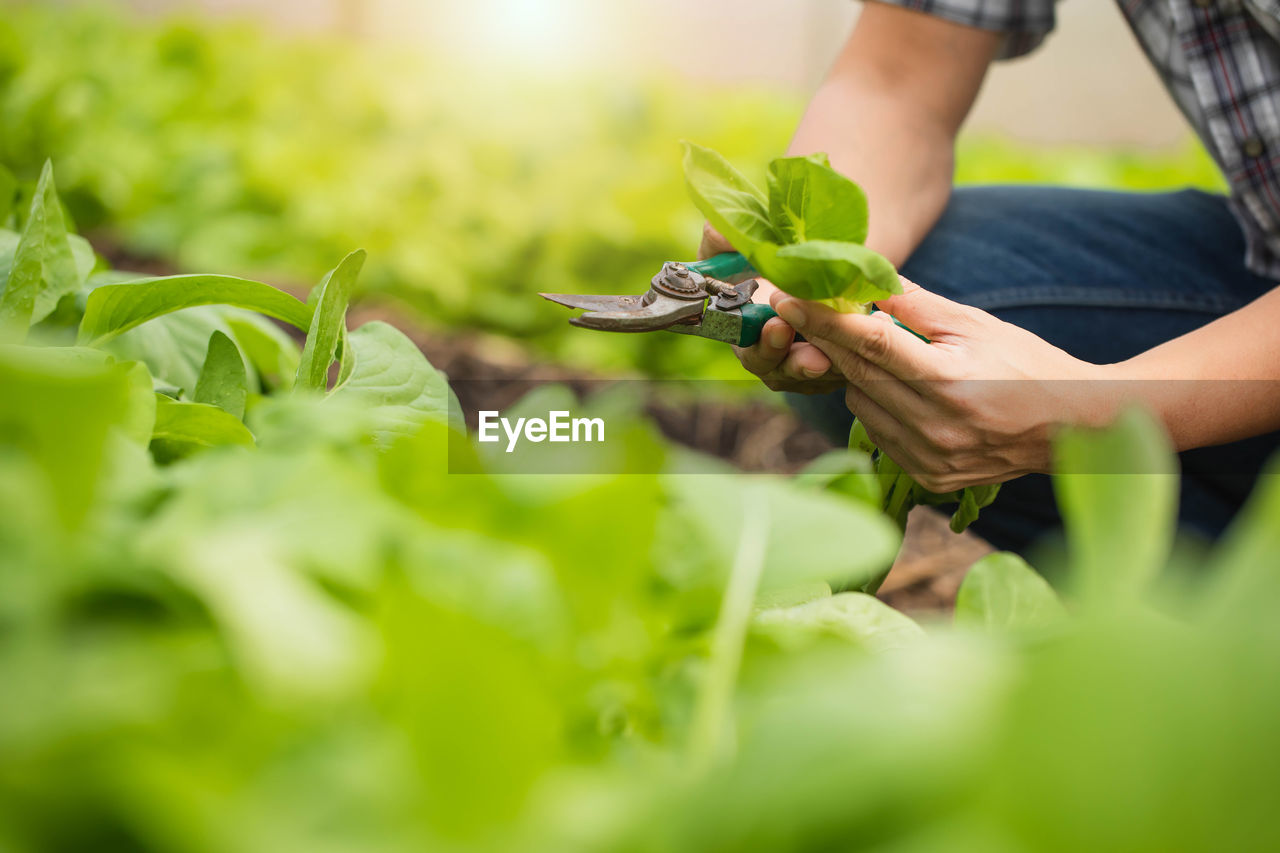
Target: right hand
x,y
780,362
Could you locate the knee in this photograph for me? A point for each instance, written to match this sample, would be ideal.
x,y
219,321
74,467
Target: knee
x,y
986,239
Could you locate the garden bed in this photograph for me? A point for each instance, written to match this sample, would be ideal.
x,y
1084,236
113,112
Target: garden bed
x,y
751,434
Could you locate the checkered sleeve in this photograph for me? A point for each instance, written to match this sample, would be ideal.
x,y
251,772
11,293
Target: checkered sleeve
x,y
1024,23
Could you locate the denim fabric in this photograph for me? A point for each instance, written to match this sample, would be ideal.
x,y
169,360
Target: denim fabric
x,y
1104,276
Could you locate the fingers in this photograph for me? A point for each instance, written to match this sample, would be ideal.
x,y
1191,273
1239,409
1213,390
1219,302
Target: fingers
x,y
884,430
805,361
889,392
788,366
928,313
770,351
872,339
713,242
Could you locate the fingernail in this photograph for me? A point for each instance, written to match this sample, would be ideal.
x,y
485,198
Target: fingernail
x,y
810,373
776,337
790,310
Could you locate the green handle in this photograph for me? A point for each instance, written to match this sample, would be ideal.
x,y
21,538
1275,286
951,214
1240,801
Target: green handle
x,y
729,266
753,319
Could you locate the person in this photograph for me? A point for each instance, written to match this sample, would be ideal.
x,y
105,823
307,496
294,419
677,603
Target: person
x,y
1045,306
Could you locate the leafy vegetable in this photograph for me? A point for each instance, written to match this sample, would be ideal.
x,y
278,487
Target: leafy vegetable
x,y
174,346
389,375
115,308
1115,482
8,196
808,202
730,202
43,268
805,236
328,323
198,424
60,408
853,617
223,381
271,352
1002,593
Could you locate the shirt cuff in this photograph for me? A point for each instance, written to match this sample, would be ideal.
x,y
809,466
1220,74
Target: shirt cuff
x,y
1023,24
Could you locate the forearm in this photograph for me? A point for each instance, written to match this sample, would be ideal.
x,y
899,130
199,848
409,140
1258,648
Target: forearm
x,y
1218,384
888,114
902,161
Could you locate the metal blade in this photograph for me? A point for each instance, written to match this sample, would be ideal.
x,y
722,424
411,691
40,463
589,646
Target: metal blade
x,y
594,303
658,314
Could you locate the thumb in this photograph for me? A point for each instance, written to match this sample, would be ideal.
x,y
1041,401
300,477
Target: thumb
x,y
927,313
713,242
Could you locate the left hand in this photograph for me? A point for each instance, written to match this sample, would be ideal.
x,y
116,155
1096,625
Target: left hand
x,y
978,405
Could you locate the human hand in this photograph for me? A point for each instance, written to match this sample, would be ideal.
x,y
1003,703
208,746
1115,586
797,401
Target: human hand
x,y
978,405
780,362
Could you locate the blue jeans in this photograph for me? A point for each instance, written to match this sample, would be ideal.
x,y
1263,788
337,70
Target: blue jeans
x,y
1104,276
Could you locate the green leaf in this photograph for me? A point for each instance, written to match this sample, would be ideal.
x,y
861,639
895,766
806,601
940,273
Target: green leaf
x,y
844,472
391,376
60,406
730,202
8,247
174,346
8,197
223,380
858,543
197,425
808,200
806,236
791,596
328,323
1117,490
1244,564
972,501
1002,593
271,352
83,255
851,616
827,269
291,638
44,268
116,308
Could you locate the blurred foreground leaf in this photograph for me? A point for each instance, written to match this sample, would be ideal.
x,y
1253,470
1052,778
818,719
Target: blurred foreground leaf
x,y
1002,593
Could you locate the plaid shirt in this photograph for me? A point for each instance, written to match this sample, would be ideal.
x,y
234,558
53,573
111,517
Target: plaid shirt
x,y
1220,60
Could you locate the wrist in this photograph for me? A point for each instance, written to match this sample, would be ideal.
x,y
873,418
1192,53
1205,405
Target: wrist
x,y
1100,394
1090,397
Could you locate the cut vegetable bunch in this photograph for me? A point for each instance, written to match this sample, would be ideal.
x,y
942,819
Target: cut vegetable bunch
x,y
806,237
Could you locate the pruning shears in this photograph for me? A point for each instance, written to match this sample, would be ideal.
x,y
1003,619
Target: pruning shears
x,y
709,298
